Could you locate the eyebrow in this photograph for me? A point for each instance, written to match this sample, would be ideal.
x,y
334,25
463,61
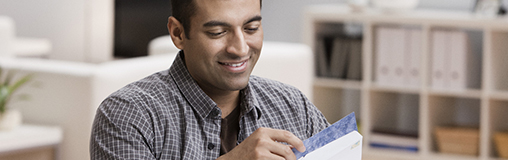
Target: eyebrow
x,y
255,18
220,23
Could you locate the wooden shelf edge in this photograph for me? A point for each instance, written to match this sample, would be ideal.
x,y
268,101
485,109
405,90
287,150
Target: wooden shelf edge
x,y
398,89
499,95
468,93
338,83
378,154
437,156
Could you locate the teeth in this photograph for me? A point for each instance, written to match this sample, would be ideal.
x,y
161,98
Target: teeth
x,y
234,65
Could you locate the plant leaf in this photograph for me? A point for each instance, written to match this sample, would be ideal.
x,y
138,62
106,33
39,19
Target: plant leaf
x,y
4,95
18,83
1,75
8,78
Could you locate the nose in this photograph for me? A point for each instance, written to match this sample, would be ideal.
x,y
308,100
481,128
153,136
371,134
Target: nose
x,y
237,44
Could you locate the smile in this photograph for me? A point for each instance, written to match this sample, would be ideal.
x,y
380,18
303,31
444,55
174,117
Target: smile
x,y
235,67
233,64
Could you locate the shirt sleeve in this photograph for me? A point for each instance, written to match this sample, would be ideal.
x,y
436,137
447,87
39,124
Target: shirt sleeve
x,y
120,131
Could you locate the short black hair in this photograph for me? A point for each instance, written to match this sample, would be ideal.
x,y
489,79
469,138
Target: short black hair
x,y
183,10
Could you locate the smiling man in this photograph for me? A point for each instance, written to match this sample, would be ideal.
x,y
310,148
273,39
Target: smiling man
x,y
207,105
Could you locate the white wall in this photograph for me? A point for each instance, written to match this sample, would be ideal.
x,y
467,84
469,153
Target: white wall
x,y
62,21
80,30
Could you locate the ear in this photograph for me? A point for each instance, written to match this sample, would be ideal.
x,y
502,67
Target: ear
x,y
176,32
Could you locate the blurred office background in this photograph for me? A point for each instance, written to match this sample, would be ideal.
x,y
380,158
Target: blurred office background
x,y
65,22
87,42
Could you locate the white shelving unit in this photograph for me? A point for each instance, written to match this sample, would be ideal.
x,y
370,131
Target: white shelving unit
x,y
484,107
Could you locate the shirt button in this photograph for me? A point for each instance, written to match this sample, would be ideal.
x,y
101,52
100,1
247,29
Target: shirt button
x,y
215,113
211,146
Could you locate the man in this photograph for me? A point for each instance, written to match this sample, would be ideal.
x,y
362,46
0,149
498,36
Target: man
x,y
207,106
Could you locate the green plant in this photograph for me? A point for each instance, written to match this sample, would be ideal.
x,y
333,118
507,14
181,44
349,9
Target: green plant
x,y
8,86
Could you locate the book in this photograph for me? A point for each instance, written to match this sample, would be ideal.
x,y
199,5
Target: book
x,y
393,141
340,141
321,58
354,69
338,57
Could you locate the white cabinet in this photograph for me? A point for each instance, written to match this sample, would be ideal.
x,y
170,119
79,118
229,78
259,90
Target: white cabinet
x,y
416,110
30,142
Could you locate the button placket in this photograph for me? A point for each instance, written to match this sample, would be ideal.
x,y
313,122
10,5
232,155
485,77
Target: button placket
x,y
211,146
213,133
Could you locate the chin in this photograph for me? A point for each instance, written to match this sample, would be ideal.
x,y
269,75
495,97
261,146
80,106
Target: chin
x,y
239,85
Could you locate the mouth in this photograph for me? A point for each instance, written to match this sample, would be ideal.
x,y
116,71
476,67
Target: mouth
x,y
235,66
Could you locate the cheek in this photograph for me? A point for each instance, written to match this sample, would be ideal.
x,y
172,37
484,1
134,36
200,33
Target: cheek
x,y
202,50
209,47
256,41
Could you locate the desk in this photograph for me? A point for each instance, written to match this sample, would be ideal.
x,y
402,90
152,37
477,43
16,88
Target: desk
x,y
29,142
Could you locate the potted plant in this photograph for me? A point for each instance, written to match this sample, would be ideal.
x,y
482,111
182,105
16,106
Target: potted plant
x,y
9,118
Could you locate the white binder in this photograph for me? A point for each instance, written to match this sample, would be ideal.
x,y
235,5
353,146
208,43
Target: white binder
x,y
456,76
415,47
439,44
398,44
383,68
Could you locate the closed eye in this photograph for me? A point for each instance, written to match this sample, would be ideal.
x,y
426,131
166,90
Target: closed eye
x,y
216,34
251,30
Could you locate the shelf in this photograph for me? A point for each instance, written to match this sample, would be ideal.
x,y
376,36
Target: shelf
x,y
497,115
499,95
454,111
338,83
416,104
376,154
442,156
336,103
395,112
469,93
396,89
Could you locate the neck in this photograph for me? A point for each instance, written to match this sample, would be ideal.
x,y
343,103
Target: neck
x,y
227,102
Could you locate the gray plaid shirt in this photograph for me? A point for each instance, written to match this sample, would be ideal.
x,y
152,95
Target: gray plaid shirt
x,y
167,116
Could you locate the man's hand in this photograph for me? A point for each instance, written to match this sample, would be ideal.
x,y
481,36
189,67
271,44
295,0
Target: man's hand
x,y
264,143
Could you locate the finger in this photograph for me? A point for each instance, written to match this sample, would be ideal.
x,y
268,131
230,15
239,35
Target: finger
x,y
288,137
282,150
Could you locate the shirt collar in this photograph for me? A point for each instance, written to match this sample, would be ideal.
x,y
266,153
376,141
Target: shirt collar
x,y
191,91
250,98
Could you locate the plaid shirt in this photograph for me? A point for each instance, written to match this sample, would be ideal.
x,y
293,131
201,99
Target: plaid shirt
x,y
167,116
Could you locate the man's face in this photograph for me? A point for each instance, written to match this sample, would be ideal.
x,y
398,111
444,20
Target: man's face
x,y
224,43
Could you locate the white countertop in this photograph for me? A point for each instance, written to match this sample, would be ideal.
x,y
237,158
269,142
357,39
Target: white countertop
x,y
29,136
